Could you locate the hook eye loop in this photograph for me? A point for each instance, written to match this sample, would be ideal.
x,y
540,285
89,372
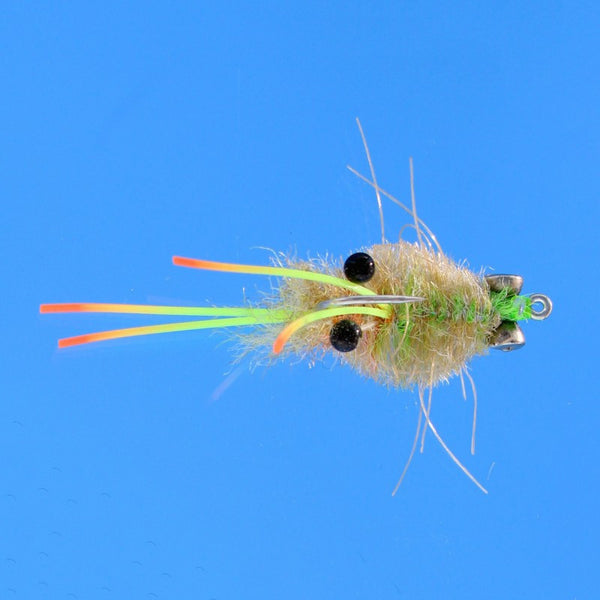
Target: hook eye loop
x,y
545,306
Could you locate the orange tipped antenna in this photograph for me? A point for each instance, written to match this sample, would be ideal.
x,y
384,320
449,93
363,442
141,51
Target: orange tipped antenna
x,y
209,265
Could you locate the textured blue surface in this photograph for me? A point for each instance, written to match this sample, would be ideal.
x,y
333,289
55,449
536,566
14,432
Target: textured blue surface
x,y
132,133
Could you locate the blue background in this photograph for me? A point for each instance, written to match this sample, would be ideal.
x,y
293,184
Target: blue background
x,y
132,132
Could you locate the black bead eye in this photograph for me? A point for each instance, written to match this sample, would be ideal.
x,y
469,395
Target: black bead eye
x,y
359,267
344,335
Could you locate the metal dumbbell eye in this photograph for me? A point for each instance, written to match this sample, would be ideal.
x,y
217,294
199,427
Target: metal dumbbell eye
x,y
344,335
359,267
508,336
497,283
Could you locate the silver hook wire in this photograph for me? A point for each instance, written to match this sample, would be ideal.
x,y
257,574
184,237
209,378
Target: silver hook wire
x,y
546,308
375,299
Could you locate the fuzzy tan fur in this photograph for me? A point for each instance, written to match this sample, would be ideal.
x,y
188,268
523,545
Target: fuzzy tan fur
x,y
446,330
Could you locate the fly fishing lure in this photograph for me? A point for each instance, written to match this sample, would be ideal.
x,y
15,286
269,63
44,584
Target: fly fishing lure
x,y
401,313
